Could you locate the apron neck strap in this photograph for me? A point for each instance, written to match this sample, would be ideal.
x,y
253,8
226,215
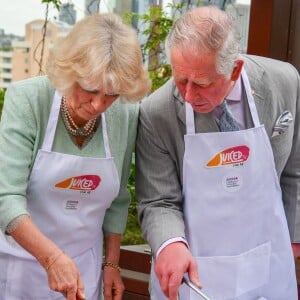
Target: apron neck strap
x,y
189,112
52,124
105,136
189,118
250,98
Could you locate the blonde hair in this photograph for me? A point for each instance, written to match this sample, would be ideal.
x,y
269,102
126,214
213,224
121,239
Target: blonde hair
x,y
99,51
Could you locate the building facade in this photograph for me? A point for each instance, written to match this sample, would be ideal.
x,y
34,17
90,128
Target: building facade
x,y
92,6
241,14
28,58
67,13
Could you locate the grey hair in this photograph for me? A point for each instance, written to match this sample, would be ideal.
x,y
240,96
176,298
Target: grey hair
x,y
207,30
100,51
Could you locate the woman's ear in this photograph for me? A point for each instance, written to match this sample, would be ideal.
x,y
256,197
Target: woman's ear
x,y
238,65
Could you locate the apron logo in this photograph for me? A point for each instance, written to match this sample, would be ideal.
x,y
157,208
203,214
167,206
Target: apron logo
x,y
83,183
231,156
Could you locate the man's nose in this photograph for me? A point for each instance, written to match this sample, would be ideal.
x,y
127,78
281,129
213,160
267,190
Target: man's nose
x,y
190,92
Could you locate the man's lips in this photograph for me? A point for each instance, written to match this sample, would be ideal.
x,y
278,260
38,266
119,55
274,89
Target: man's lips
x,y
202,107
199,104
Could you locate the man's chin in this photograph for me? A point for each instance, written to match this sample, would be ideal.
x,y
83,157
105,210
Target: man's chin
x,y
201,109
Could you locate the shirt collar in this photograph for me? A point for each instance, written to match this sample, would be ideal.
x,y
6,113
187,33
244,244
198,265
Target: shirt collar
x,y
236,92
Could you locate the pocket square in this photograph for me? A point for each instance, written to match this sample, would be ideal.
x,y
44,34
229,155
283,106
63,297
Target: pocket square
x,y
282,123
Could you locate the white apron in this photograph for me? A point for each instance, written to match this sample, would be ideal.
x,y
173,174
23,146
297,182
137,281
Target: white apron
x,y
235,221
67,198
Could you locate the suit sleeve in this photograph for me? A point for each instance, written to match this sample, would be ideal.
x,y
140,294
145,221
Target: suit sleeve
x,y
158,185
290,177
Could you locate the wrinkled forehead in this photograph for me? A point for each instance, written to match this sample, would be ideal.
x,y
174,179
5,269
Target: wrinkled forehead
x,y
184,60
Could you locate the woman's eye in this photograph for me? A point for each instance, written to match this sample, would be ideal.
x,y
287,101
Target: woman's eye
x,y
94,92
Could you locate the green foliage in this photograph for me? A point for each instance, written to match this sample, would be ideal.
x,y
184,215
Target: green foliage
x,y
160,75
155,25
6,49
132,235
2,92
56,3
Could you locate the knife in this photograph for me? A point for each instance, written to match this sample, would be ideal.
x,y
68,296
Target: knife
x,y
194,288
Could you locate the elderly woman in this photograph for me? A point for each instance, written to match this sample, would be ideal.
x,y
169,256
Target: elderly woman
x,y
66,144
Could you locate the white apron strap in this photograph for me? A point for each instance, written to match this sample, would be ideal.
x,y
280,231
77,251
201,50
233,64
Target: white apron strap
x,y
189,119
52,124
105,136
250,99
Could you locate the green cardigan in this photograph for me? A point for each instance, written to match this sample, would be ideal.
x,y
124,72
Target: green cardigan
x,y
22,128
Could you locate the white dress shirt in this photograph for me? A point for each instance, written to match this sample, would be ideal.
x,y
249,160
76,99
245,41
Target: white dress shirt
x,y
235,103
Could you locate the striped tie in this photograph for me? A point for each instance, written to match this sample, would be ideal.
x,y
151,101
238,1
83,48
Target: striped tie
x,y
227,122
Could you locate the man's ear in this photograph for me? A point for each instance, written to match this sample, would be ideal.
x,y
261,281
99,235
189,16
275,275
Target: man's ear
x,y
238,65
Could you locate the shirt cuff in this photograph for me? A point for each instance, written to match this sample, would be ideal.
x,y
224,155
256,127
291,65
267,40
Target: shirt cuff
x,y
170,241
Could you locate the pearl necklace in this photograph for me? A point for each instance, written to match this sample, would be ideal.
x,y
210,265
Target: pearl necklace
x,y
71,126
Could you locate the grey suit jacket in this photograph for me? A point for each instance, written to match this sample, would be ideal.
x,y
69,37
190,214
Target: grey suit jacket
x,y
160,147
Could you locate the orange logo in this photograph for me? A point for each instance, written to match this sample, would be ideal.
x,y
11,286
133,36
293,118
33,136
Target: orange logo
x,y
83,182
230,156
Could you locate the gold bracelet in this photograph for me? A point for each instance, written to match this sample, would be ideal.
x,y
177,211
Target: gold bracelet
x,y
110,264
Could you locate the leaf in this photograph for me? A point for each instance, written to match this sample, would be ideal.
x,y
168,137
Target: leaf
x,y
56,3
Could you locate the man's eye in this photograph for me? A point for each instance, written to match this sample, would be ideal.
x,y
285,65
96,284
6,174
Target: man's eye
x,y
112,95
181,81
203,85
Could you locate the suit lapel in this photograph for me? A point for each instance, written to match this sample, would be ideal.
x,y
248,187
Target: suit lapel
x,y
255,76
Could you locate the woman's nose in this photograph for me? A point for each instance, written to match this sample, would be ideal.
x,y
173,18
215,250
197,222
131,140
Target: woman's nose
x,y
99,103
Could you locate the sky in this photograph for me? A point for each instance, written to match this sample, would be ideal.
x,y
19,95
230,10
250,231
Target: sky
x,y
14,14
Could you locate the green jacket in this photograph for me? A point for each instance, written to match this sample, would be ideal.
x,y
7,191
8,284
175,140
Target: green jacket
x,y
22,128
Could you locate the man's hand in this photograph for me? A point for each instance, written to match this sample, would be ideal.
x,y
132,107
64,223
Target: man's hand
x,y
170,265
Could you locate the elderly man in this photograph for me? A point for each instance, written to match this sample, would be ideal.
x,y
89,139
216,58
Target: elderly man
x,y
218,167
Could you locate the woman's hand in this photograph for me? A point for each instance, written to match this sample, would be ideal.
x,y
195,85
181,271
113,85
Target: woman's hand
x,y
113,286
64,277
